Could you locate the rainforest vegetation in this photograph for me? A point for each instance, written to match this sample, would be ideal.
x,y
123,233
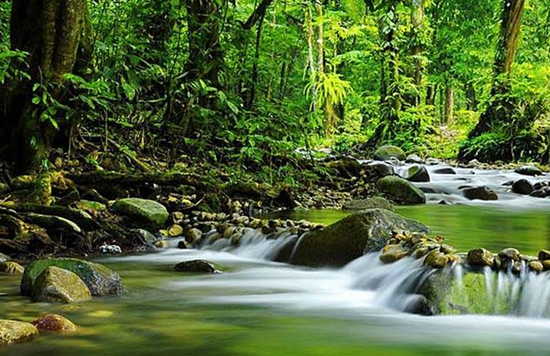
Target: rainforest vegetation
x,y
247,82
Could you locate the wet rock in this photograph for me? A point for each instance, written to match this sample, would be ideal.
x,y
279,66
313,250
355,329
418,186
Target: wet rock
x,y
350,238
145,210
480,193
417,173
510,254
90,206
13,332
4,258
393,253
175,230
415,159
522,186
473,163
379,169
401,190
370,203
481,257
446,170
536,266
347,167
196,266
385,153
529,171
436,259
56,285
11,268
193,235
146,236
53,222
110,250
53,323
100,280
546,265
543,192
544,255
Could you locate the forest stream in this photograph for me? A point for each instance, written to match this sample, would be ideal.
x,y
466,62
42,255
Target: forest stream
x,y
259,307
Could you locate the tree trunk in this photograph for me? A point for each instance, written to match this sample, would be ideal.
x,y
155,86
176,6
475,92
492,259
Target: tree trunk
x,y
417,20
249,99
500,108
51,31
449,105
471,97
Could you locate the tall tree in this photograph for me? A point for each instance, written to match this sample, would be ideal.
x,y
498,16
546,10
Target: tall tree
x,y
501,105
54,34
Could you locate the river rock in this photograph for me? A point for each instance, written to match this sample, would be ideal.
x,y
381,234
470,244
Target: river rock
x,y
53,222
510,254
350,238
11,268
142,209
481,257
446,170
100,280
529,171
385,153
346,167
370,203
480,193
56,285
541,193
380,169
544,255
13,332
522,186
196,266
415,159
393,253
417,173
536,266
401,190
53,323
193,235
436,259
175,230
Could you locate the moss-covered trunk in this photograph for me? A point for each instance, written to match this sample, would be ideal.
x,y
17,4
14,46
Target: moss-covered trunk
x,y
50,31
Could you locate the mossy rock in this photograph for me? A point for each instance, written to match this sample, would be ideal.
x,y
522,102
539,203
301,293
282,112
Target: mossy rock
x,y
57,285
13,332
11,268
417,173
448,296
401,191
370,203
53,323
90,205
100,280
145,210
350,238
385,153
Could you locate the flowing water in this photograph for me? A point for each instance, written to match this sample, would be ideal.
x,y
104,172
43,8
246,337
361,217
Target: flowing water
x,y
258,307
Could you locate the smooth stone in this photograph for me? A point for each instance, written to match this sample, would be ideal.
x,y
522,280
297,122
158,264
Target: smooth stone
x,y
417,174
146,210
14,332
480,193
196,266
523,187
510,254
541,193
536,266
100,280
415,159
481,257
175,230
529,171
446,170
193,235
53,323
387,152
436,259
401,190
393,253
544,255
380,169
56,285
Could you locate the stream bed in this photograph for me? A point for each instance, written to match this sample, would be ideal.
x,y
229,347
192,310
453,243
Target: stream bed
x,y
261,308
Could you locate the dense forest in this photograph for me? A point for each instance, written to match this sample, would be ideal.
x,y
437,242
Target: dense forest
x,y
248,82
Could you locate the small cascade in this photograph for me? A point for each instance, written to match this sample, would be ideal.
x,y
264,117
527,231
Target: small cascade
x,y
506,293
252,244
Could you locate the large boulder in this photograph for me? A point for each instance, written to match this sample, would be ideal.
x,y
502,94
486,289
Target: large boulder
x,y
56,285
523,187
417,173
148,211
196,266
385,153
350,238
529,171
100,280
12,332
401,190
369,203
